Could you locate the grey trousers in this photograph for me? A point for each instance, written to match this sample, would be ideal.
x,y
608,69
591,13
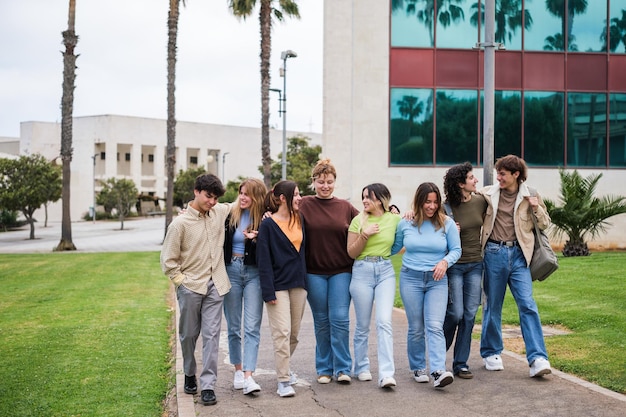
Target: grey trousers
x,y
200,314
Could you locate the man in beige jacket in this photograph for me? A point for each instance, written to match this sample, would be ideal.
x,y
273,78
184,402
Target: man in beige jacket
x,y
508,243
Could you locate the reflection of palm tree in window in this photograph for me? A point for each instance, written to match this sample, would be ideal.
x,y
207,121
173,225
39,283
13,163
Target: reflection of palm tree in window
x,y
555,43
447,12
617,31
410,108
574,7
508,18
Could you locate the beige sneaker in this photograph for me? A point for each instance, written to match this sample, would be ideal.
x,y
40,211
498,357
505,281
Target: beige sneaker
x,y
343,378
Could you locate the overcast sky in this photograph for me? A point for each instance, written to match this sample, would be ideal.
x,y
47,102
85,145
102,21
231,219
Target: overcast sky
x,y
122,63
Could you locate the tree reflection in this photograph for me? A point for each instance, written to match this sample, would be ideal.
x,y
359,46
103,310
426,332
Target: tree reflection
x,y
411,142
447,11
557,8
617,32
509,18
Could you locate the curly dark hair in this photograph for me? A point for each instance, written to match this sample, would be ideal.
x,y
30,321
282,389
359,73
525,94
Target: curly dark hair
x,y
454,176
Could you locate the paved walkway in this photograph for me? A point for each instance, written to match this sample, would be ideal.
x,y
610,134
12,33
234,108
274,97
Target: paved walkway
x,y
507,393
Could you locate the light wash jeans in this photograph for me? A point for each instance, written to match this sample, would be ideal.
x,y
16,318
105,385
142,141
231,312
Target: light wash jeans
x,y
464,291
373,281
425,302
244,295
329,298
507,265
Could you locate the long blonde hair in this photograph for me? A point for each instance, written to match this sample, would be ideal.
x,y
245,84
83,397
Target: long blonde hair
x,y
256,190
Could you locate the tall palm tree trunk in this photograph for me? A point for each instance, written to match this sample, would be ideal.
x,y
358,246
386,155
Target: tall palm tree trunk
x,y
265,20
170,158
67,106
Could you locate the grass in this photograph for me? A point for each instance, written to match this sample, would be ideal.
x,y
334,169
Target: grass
x,y
84,335
586,295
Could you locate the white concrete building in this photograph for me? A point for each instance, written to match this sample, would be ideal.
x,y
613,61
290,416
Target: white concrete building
x,y
112,146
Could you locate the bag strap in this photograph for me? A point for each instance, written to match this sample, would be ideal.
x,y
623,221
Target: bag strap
x,y
533,192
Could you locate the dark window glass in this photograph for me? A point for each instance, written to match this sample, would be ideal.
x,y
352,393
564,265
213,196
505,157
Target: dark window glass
x,y
457,24
508,123
412,24
150,157
617,26
617,130
543,128
586,129
586,25
411,127
457,126
545,33
127,157
193,160
103,155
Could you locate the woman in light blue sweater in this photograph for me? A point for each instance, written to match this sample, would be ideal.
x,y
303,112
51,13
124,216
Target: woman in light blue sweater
x,y
432,245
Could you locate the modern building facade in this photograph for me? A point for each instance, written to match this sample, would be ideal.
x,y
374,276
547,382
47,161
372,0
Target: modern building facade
x,y
134,148
404,82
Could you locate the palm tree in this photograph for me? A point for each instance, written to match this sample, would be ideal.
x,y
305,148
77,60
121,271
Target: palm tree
x,y
555,43
67,107
268,9
509,16
581,214
170,157
574,7
617,32
446,12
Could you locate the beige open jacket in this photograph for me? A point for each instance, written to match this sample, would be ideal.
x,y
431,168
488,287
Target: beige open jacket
x,y
521,217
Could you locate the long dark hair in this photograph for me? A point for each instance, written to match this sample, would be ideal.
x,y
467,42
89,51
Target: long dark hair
x,y
456,175
272,199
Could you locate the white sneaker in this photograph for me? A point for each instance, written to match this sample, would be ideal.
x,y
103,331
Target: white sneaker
x,y
365,376
293,378
442,378
285,389
387,382
343,378
540,367
238,380
324,379
493,363
250,386
421,376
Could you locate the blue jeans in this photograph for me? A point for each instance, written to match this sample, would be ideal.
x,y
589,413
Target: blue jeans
x,y
329,298
507,265
425,303
373,281
245,295
464,291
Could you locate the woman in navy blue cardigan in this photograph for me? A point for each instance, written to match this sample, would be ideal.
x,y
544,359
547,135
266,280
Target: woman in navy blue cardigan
x,y
282,268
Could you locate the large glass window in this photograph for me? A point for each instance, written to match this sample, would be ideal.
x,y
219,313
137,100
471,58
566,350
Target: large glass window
x,y
546,31
586,25
412,24
543,128
457,126
411,127
586,129
617,26
617,130
457,24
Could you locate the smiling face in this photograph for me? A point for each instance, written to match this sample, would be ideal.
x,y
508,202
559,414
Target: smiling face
x,y
324,186
245,201
295,203
371,204
507,180
469,186
431,205
203,201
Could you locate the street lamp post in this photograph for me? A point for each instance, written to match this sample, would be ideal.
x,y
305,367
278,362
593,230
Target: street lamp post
x,y
93,213
284,55
224,167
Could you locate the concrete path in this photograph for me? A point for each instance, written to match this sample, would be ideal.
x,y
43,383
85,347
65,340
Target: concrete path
x,y
507,393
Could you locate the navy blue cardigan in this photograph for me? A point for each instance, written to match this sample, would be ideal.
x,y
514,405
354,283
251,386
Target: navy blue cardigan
x,y
281,266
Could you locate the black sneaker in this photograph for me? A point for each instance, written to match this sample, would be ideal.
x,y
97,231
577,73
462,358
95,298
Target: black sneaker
x,y
465,373
191,387
208,397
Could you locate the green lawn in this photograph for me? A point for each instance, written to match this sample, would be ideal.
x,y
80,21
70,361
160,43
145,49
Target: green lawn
x,y
587,295
84,335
